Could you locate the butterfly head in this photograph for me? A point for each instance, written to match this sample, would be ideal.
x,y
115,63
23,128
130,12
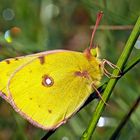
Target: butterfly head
x,y
92,52
95,51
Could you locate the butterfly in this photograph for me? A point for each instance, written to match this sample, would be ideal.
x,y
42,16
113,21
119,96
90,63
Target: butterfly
x,y
48,88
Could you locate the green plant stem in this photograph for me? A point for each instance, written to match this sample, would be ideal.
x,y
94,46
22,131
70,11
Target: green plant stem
x,y
112,82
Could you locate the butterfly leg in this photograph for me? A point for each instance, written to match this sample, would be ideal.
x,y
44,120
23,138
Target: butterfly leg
x,y
108,74
99,94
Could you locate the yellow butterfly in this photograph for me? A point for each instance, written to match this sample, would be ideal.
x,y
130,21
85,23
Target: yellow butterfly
x,y
49,87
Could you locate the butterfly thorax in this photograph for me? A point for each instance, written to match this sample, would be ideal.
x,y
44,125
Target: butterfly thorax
x,y
93,73
95,70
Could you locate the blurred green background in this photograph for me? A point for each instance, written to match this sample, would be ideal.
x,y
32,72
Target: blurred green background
x,y
30,26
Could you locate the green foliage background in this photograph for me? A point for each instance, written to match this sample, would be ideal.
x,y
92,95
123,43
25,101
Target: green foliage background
x,y
65,24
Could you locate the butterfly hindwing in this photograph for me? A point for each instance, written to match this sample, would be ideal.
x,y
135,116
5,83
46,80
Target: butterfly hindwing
x,y
46,90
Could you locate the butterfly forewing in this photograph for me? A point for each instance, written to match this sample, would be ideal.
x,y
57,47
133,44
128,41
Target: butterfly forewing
x,y
7,67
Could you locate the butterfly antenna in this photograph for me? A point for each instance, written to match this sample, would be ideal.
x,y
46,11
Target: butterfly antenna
x,y
98,19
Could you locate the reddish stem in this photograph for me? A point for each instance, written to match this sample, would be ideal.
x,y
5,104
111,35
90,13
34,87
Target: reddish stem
x,y
98,19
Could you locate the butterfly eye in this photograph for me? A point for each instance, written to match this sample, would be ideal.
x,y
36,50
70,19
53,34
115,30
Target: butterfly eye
x,y
47,81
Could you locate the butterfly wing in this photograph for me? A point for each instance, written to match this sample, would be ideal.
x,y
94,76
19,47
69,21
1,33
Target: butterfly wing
x,y
7,67
46,90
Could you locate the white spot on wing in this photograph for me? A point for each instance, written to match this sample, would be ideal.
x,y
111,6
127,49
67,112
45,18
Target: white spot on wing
x,y
48,81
